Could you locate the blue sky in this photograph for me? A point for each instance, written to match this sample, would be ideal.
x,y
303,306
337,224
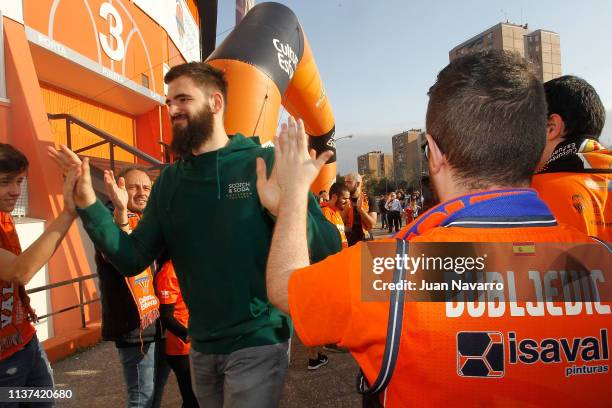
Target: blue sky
x,y
378,58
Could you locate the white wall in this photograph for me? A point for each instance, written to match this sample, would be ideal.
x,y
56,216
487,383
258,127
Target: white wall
x,y
29,230
12,9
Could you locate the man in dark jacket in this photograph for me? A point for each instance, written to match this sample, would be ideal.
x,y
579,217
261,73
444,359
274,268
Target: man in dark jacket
x,y
138,337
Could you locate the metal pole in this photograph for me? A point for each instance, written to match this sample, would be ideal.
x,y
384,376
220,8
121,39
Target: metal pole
x,y
68,134
111,156
81,306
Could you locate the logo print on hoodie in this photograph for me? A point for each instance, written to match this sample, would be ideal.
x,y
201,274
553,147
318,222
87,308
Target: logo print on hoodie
x,y
237,191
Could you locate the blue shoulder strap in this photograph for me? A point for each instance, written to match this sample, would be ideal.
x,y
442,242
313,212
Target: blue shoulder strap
x,y
394,331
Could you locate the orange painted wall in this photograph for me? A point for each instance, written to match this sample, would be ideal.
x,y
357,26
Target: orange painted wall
x,y
174,55
148,133
72,26
5,117
106,119
30,132
166,126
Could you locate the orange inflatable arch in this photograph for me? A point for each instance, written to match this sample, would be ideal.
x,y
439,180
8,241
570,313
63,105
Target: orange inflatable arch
x,y
268,62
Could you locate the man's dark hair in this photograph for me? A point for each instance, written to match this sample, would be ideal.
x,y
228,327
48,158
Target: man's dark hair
x,y
487,113
12,160
202,74
578,104
134,167
337,189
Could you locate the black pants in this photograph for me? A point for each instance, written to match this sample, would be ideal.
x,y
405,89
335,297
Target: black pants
x,y
394,220
384,219
180,366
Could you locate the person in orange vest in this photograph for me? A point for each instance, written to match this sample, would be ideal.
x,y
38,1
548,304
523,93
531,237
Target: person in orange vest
x,y
575,172
23,362
332,210
483,109
175,318
360,213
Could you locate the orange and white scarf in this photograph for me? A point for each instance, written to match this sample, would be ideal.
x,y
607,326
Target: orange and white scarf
x,y
142,290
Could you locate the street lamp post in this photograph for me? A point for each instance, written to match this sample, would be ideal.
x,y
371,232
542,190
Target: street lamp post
x,y
344,137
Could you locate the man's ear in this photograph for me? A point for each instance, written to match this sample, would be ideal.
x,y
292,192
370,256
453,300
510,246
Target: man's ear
x,y
217,102
555,128
436,157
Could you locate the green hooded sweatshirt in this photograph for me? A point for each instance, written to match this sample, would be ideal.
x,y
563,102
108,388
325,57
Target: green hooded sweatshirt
x,y
206,212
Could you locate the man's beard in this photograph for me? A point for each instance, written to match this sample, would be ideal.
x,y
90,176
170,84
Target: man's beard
x,y
198,130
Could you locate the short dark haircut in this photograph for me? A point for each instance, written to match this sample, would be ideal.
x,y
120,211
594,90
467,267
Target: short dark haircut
x,y
12,160
487,113
202,74
337,189
134,167
578,104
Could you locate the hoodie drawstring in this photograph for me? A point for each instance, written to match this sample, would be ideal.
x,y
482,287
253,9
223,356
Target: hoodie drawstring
x,y
218,179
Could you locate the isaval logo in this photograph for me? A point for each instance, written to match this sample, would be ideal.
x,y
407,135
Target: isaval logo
x,y
480,354
484,354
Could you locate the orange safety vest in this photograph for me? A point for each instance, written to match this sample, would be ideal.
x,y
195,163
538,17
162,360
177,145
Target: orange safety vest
x,y
15,328
350,214
432,372
335,218
429,371
578,193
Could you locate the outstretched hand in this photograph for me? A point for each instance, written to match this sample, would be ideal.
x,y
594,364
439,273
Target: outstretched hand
x,y
83,192
296,166
74,172
116,190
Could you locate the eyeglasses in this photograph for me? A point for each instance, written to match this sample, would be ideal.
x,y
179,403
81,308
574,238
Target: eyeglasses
x,y
425,149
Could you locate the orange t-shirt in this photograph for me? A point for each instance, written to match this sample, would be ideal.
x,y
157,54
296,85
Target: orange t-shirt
x,y
16,331
169,292
335,218
326,307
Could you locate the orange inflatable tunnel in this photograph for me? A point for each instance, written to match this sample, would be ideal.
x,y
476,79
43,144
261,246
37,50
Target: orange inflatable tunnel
x,y
268,62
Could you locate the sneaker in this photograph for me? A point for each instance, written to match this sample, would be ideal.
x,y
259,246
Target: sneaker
x,y
317,363
334,348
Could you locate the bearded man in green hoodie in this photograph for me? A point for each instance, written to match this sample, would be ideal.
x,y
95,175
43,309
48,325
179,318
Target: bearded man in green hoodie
x,y
205,210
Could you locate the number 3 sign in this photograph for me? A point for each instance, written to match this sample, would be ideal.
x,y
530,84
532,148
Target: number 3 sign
x,y
115,29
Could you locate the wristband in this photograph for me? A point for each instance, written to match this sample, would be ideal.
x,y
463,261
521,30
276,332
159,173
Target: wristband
x,y
124,225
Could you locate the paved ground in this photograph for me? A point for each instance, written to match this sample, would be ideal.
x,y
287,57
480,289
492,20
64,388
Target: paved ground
x,y
96,380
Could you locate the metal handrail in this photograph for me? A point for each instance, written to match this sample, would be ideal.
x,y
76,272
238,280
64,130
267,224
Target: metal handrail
x,y
81,305
108,138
